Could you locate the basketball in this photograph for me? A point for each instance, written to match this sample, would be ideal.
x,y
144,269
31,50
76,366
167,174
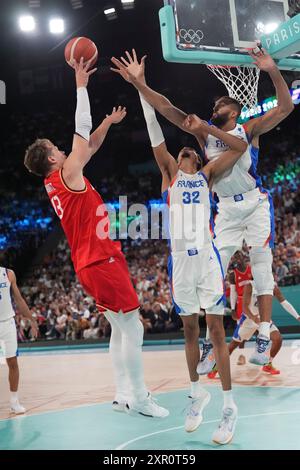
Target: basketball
x,y
81,47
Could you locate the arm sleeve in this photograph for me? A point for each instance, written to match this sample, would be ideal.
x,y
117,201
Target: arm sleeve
x,y
83,118
233,296
154,129
289,308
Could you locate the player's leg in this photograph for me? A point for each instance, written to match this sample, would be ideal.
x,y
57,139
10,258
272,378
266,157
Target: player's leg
x,y
132,339
199,397
115,349
212,297
276,339
9,336
260,238
183,272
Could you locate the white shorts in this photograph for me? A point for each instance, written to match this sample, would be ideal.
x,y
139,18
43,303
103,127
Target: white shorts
x,y
249,217
197,281
8,338
246,328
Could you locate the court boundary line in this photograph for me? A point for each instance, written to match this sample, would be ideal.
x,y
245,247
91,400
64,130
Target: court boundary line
x,y
125,444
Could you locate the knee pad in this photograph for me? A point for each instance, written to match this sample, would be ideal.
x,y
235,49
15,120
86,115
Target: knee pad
x,y
261,265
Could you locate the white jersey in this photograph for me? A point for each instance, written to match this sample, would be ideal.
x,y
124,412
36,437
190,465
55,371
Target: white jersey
x,y
6,308
253,307
242,177
189,218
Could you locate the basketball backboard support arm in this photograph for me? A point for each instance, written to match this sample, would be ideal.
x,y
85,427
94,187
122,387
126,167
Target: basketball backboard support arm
x,y
281,43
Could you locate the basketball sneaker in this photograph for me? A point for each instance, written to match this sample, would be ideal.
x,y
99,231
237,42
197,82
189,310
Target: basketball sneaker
x,y
207,361
259,357
241,360
147,407
224,434
17,408
118,405
270,369
194,411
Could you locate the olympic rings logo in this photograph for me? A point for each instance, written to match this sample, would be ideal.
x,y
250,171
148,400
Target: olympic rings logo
x,y
191,36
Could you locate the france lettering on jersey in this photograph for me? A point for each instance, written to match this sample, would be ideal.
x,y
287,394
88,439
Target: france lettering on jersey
x,y
242,177
6,308
189,212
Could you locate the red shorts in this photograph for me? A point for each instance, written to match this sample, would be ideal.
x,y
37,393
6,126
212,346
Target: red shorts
x,y
108,282
239,307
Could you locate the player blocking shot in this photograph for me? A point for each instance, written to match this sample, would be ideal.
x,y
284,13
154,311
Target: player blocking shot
x,y
245,208
98,261
8,333
196,275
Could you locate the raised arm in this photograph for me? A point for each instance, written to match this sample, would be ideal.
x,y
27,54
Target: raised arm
x,y
272,118
164,159
81,152
133,72
20,302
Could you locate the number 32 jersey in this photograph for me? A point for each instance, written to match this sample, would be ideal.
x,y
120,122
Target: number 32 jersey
x,y
84,219
190,218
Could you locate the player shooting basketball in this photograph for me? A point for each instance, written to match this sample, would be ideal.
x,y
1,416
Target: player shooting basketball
x,y
98,261
245,209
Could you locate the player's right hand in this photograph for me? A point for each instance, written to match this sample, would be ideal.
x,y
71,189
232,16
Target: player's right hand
x,y
82,73
130,69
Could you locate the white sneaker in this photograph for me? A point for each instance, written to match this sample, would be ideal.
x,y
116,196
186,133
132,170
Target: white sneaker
x,y
147,407
207,361
194,411
118,405
224,434
259,357
16,408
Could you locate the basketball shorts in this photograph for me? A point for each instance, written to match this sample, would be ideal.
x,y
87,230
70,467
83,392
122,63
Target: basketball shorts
x,y
196,281
109,283
8,338
249,217
246,328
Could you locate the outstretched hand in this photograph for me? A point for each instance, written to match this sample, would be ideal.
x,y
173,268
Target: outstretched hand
x,y
130,69
117,115
263,60
82,73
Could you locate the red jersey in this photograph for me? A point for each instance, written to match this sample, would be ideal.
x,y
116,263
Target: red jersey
x,y
83,217
241,279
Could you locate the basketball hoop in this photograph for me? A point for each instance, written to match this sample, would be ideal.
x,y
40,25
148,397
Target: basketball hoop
x,y
241,82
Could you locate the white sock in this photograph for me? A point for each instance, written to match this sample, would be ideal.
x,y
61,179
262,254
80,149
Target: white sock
x,y
264,329
228,399
13,397
196,389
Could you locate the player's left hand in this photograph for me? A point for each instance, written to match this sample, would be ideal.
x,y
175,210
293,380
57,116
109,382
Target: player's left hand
x,y
117,115
263,60
82,73
193,123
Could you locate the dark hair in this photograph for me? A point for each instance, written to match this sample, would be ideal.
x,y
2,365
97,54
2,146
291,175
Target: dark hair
x,y
233,102
36,157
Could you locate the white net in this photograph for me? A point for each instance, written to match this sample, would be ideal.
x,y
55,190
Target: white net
x,y
241,82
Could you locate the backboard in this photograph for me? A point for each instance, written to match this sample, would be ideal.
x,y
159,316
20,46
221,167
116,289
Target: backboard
x,y
218,31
